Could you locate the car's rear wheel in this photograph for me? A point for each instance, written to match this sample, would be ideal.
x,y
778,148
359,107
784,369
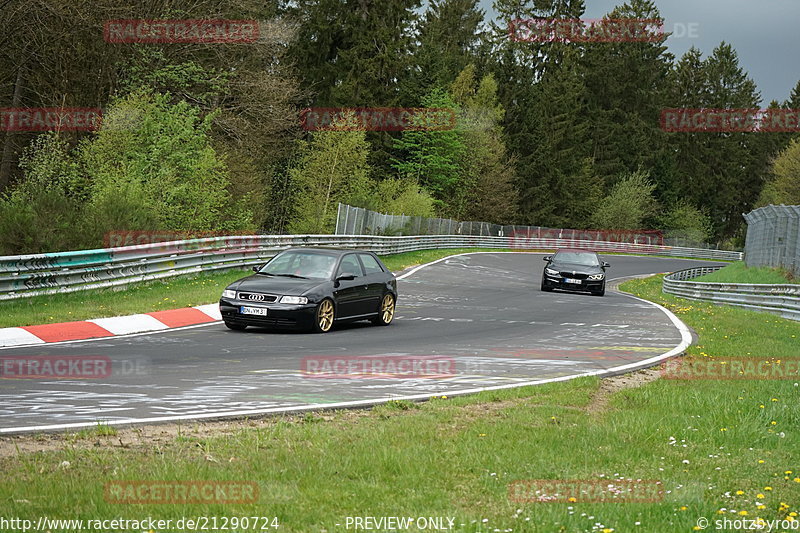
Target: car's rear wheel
x,y
235,327
324,316
386,311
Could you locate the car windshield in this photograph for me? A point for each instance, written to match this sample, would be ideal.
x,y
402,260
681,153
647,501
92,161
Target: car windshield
x,y
577,258
300,265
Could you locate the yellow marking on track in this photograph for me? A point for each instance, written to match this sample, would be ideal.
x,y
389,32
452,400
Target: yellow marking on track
x,y
629,348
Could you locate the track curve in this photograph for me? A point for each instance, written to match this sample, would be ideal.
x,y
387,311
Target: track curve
x,y
483,309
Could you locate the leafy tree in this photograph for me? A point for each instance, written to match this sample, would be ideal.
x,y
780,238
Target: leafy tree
x,y
783,186
42,212
161,156
686,222
434,158
401,196
488,191
331,168
629,205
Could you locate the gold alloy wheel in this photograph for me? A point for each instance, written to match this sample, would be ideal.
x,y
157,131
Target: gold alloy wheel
x,y
387,309
325,316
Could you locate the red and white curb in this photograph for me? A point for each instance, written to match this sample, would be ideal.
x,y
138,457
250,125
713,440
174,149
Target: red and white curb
x,y
109,327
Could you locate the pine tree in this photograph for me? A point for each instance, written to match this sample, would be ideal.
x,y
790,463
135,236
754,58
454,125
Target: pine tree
x,y
449,37
488,192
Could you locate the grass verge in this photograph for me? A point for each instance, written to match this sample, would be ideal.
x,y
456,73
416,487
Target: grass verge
x,y
172,293
740,273
721,449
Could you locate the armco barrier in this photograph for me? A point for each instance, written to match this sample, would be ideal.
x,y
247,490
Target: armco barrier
x,y
29,275
783,299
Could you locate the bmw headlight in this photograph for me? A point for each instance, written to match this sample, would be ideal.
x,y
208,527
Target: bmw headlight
x,y
596,277
227,293
296,300
551,272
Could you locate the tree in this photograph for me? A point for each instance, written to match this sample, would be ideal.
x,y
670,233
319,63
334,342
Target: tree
x,y
488,192
686,222
331,168
626,83
43,212
783,186
434,158
161,155
629,205
449,39
719,171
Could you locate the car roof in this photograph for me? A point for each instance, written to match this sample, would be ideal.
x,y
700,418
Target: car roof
x,y
328,251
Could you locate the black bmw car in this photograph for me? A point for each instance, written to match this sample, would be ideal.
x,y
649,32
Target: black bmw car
x,y
576,270
312,288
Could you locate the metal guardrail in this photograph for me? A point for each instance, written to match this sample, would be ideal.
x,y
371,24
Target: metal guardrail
x,y
30,275
781,299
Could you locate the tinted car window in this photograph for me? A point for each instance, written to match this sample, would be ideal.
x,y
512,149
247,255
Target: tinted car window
x,y
350,264
577,258
371,266
305,264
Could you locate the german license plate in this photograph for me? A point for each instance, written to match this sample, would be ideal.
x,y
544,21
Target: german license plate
x,y
259,311
570,280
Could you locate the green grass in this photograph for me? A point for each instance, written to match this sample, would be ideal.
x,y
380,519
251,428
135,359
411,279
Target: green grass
x,y
740,273
456,456
172,293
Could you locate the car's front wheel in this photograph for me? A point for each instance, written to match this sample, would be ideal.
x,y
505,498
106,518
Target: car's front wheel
x,y
386,311
601,292
546,287
235,327
324,316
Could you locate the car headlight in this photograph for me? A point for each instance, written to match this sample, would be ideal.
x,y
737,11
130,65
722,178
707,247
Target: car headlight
x,y
595,277
297,300
227,293
551,272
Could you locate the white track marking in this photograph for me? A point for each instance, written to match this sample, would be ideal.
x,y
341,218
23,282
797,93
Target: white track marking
x,y
122,325
14,337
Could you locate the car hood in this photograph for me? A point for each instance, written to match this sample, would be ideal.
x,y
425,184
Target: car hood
x,y
275,285
573,267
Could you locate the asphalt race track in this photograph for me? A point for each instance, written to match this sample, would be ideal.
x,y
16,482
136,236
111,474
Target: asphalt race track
x,y
484,310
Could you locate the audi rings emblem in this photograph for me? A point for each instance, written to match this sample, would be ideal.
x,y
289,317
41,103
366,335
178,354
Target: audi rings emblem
x,y
257,297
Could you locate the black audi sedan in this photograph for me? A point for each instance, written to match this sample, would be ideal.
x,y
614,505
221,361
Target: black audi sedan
x,y
312,288
575,270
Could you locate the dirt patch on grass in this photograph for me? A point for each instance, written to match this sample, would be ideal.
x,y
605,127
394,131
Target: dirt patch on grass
x,y
612,385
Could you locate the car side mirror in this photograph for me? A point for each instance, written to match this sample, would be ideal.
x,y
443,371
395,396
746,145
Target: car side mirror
x,y
547,258
605,265
346,276
256,268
